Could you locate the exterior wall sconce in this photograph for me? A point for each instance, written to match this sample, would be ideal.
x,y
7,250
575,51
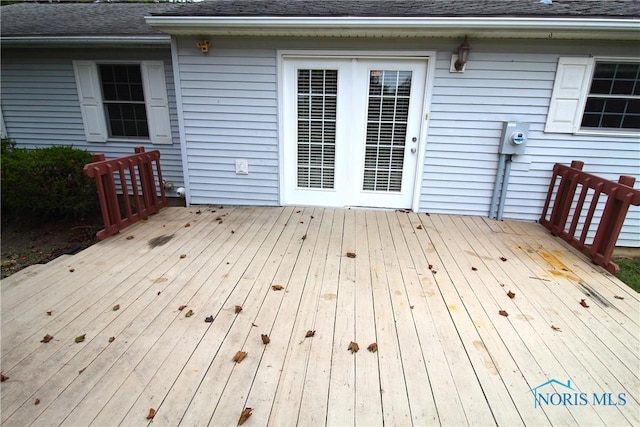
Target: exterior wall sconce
x,y
204,46
459,59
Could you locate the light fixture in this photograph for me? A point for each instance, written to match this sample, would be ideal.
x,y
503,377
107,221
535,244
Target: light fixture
x,y
204,46
463,56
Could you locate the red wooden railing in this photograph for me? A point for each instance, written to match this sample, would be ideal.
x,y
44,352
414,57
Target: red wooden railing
x,y
620,195
139,173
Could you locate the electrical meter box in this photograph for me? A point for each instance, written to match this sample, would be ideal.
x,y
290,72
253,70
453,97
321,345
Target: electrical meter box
x,y
514,138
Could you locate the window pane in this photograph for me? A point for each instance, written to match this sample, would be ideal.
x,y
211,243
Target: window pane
x,y
127,120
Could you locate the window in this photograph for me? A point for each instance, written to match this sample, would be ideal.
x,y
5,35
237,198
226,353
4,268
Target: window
x,y
123,101
614,99
595,95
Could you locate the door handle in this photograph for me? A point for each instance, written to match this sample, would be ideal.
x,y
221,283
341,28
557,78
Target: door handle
x,y
413,150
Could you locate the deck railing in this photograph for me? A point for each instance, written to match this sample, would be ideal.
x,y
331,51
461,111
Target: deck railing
x,y
571,193
139,179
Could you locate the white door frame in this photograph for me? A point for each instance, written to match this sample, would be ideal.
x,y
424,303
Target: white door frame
x,y
428,56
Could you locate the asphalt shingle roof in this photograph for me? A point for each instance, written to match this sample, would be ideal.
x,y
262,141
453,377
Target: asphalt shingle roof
x,y
79,19
410,8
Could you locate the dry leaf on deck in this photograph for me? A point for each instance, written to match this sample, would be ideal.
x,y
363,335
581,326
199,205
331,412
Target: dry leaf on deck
x,y
503,313
198,212
474,269
182,307
555,328
373,347
208,319
310,334
419,227
46,338
618,297
183,255
351,254
112,339
238,309
116,307
244,415
430,266
49,313
71,270
503,259
129,237
187,225
239,357
277,287
80,338
152,413
353,347
511,294
304,237
3,378
584,303
189,313
36,402
265,339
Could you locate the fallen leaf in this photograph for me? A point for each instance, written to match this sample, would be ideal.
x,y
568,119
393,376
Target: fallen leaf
x,y
298,211
430,266
310,334
353,347
112,339
584,303
46,338
277,287
411,307
239,357
116,307
419,227
3,378
254,325
129,237
312,216
182,307
187,225
81,370
158,293
351,255
183,256
265,339
503,313
304,237
618,297
238,309
373,347
49,313
511,294
80,338
232,232
246,413
71,270
474,269
189,313
36,402
555,328
198,212
208,319
152,413
503,259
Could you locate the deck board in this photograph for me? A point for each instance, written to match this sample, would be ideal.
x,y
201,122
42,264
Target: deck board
x,y
426,289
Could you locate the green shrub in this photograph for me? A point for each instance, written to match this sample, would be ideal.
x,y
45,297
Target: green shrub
x,y
47,182
7,145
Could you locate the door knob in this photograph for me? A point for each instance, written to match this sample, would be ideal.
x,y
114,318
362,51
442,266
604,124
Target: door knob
x,y
413,150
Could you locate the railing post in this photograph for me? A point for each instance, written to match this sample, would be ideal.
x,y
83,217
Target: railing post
x,y
564,198
613,216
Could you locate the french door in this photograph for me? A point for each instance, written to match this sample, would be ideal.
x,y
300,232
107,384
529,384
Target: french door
x,y
351,130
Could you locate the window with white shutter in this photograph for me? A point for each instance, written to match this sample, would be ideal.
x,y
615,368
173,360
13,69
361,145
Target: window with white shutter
x,y
123,101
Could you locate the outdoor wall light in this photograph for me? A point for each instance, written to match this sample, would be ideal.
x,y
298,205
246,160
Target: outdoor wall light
x,y
460,59
204,46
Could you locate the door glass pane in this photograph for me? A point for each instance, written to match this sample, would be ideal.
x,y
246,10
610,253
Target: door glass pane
x,y
317,99
387,114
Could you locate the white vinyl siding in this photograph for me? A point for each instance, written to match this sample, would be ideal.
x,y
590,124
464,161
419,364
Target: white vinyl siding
x,y
41,108
230,112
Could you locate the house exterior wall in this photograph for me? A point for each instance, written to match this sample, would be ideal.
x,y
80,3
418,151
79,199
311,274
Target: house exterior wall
x,y
40,104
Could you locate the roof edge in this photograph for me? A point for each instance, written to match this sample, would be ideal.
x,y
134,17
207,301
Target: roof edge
x,y
34,41
625,29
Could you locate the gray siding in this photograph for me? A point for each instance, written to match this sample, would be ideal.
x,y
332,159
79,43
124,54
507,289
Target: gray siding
x,y
230,112
40,103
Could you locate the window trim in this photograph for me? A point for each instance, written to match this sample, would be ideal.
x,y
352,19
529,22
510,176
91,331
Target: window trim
x,y
577,98
92,105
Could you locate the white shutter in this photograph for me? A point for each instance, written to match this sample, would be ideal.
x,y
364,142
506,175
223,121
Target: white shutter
x,y
155,94
569,92
90,96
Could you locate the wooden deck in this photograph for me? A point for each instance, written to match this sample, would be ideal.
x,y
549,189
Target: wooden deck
x,y
427,289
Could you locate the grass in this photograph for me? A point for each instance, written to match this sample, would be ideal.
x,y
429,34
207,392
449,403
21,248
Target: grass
x,y
629,272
